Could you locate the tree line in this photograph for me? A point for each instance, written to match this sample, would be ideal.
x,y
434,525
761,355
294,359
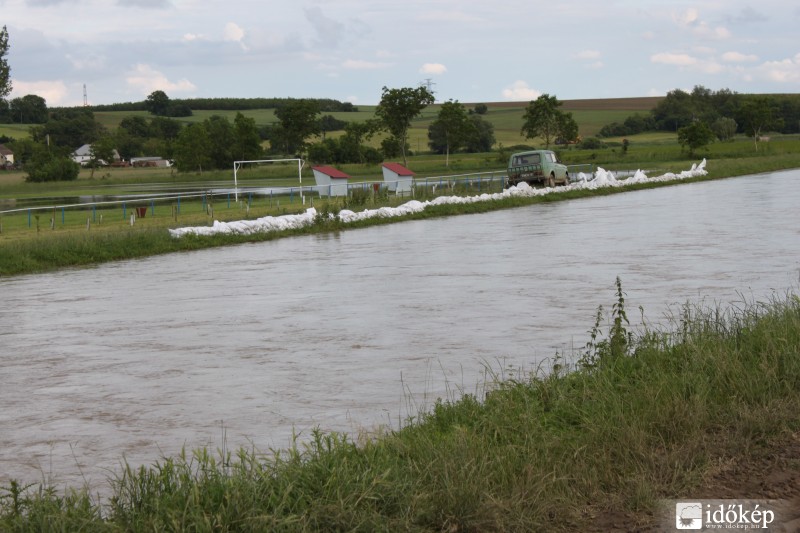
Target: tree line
x,y
752,114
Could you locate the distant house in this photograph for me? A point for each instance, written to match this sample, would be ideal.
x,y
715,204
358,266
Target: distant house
x,y
83,156
330,181
397,177
6,156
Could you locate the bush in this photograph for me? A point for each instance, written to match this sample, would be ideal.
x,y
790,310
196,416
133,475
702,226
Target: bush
x,y
591,143
52,169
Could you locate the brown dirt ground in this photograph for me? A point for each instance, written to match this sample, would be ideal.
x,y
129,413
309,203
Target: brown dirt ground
x,y
771,472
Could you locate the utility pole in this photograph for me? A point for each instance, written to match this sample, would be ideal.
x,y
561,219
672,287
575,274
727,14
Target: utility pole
x,y
428,83
85,97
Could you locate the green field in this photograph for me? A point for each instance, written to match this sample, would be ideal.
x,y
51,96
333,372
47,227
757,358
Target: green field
x,y
591,115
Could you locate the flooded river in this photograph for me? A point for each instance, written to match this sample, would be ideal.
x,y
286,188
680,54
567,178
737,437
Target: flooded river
x,y
246,345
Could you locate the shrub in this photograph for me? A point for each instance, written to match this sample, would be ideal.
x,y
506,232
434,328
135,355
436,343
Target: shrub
x,y
52,169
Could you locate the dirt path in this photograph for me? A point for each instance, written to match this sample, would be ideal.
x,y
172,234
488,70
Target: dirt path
x,y
768,473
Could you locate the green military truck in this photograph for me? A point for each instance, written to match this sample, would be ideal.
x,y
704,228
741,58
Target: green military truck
x,y
537,167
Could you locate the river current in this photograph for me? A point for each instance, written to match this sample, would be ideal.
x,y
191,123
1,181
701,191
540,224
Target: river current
x,y
248,345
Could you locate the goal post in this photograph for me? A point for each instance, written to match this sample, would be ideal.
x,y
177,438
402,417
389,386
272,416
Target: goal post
x,y
237,165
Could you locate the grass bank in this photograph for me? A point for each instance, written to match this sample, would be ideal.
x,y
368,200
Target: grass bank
x,y
40,252
639,417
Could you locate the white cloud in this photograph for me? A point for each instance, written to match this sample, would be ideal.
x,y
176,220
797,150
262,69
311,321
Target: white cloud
x,y
681,60
53,92
433,68
784,71
588,54
519,90
690,20
704,31
357,64
146,80
233,33
736,57
687,17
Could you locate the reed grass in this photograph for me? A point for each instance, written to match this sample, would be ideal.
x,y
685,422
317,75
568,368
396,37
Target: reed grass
x,y
613,430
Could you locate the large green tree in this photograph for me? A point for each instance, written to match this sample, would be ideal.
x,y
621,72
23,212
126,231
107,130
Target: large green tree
x,y
759,115
69,128
450,130
5,70
220,132
543,119
158,103
30,109
695,135
246,141
396,110
297,122
192,148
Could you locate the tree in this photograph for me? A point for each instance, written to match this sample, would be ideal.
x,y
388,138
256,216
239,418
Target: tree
x,y
396,110
192,148
47,166
450,129
157,103
30,109
221,135
298,122
5,70
724,128
69,128
543,119
758,115
330,123
482,136
567,128
481,109
695,135
246,141
101,152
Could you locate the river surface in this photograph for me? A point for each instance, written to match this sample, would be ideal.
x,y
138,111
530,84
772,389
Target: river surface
x,y
244,345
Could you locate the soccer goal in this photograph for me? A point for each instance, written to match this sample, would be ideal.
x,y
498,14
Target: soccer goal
x,y
239,165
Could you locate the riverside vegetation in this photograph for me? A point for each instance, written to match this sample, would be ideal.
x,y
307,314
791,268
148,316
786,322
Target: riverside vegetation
x,y
23,252
638,416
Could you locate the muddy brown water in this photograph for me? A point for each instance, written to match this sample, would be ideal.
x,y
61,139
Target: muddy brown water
x,y
246,345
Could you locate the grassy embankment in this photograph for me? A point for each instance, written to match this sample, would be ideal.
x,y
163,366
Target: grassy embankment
x,y
28,249
643,416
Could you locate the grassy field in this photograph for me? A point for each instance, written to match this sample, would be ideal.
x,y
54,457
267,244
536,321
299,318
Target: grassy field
x,y
594,443
591,115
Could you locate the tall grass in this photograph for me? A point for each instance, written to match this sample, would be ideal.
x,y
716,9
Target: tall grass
x,y
544,451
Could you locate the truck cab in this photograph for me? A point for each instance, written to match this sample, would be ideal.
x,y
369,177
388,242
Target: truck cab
x,y
537,167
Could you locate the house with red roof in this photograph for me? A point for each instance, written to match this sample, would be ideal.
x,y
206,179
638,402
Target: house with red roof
x,y
330,181
397,177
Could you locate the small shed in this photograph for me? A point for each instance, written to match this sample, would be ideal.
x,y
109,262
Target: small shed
x,y
330,181
6,156
397,177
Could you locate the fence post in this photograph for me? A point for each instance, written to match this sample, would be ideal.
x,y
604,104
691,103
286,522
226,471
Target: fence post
x,y
124,216
29,218
152,208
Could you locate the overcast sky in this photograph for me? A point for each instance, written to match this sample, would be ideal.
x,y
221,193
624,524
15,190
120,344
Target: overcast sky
x,y
472,51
